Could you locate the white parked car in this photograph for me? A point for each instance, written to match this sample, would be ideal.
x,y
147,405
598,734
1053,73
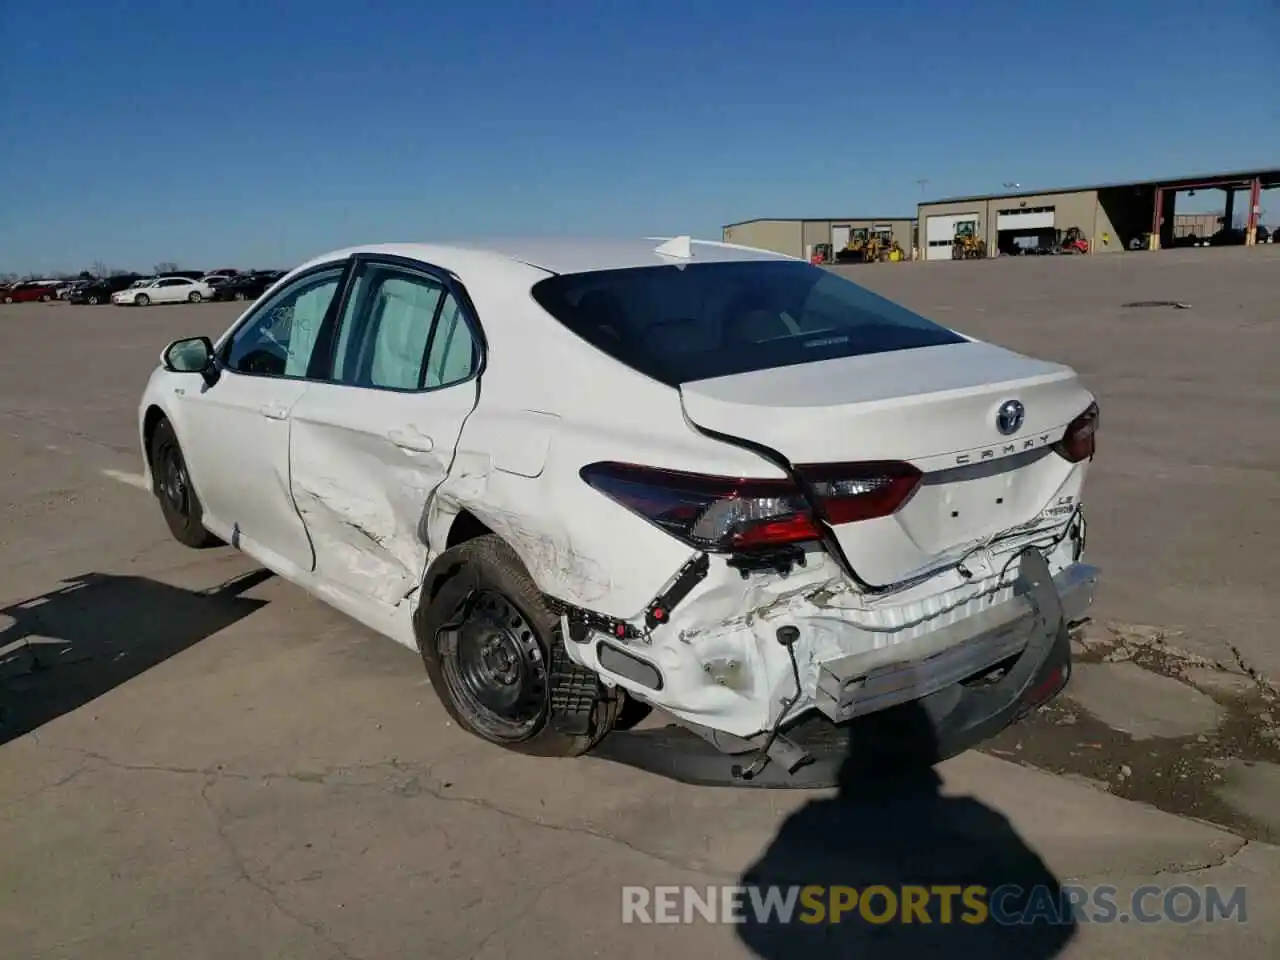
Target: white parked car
x,y
164,290
682,475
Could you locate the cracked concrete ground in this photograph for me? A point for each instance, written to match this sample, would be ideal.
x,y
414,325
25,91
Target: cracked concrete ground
x,y
222,767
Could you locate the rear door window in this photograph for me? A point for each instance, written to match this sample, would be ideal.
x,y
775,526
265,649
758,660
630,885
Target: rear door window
x,y
386,330
678,324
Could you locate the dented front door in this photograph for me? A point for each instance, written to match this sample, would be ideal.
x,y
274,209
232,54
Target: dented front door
x,y
368,451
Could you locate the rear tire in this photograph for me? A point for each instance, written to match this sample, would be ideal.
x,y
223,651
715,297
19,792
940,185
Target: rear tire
x,y
492,669
179,505
195,296
92,301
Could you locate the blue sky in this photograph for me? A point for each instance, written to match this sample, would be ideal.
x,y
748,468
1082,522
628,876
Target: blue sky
x,y
262,133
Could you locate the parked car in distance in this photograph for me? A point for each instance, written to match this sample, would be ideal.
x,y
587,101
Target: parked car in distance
x,y
215,280
171,289
101,290
27,291
789,505
247,286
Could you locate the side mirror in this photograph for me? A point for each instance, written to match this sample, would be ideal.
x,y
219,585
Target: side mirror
x,y
192,355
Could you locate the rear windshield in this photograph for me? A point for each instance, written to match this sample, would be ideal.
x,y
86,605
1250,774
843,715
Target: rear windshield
x,y
683,323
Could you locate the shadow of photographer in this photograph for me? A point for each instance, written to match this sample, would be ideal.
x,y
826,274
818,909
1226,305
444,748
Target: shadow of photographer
x,y
97,631
949,874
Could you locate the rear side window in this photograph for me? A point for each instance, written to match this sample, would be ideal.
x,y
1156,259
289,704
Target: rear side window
x,y
678,324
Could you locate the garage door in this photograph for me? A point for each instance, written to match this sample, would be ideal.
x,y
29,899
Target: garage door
x,y
1038,218
940,233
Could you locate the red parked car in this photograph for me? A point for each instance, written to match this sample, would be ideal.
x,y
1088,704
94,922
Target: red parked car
x,y
27,291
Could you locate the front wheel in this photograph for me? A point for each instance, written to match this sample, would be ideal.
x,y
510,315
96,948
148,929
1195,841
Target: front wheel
x,y
92,301
195,296
493,651
181,508
44,298
142,300
8,299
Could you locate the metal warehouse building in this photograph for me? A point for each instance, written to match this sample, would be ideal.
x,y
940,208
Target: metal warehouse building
x,y
797,238
1111,217
1139,215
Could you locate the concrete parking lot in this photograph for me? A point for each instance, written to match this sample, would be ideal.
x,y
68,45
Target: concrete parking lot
x,y
211,764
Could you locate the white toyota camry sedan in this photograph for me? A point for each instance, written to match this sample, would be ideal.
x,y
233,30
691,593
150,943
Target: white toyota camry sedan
x,y
707,510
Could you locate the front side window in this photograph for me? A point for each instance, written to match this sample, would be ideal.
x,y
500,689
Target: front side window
x,y
279,338
678,324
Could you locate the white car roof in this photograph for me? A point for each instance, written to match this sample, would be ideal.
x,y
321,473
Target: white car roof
x,y
561,255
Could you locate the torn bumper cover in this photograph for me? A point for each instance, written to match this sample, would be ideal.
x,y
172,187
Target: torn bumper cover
x,y
915,705
876,679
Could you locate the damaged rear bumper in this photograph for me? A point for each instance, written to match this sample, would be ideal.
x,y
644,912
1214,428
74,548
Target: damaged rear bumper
x,y
918,709
863,683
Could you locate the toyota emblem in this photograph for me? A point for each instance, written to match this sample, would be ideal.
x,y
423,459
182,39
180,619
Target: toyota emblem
x,y
1010,416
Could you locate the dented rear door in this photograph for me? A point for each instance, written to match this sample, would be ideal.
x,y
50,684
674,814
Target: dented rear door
x,y
368,450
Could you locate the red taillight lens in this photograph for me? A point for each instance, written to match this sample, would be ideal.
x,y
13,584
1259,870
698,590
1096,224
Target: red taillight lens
x,y
727,514
850,492
1079,441
719,514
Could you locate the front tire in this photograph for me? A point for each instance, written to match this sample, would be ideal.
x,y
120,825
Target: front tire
x,y
195,296
92,301
179,505
490,646
142,300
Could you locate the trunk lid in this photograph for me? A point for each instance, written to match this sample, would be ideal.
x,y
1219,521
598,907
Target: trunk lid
x,y
934,407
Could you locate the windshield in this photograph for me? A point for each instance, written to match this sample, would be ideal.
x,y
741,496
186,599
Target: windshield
x,y
683,323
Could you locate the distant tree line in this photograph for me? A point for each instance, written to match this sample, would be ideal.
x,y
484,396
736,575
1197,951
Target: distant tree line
x,y
98,270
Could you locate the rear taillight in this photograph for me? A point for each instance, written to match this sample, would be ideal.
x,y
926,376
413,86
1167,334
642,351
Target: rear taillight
x,y
849,492
1079,443
727,514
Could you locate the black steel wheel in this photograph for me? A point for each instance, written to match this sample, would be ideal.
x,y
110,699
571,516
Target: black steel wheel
x,y
179,504
493,651
493,665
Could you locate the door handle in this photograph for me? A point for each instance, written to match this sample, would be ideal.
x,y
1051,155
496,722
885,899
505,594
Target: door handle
x,y
411,440
274,411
